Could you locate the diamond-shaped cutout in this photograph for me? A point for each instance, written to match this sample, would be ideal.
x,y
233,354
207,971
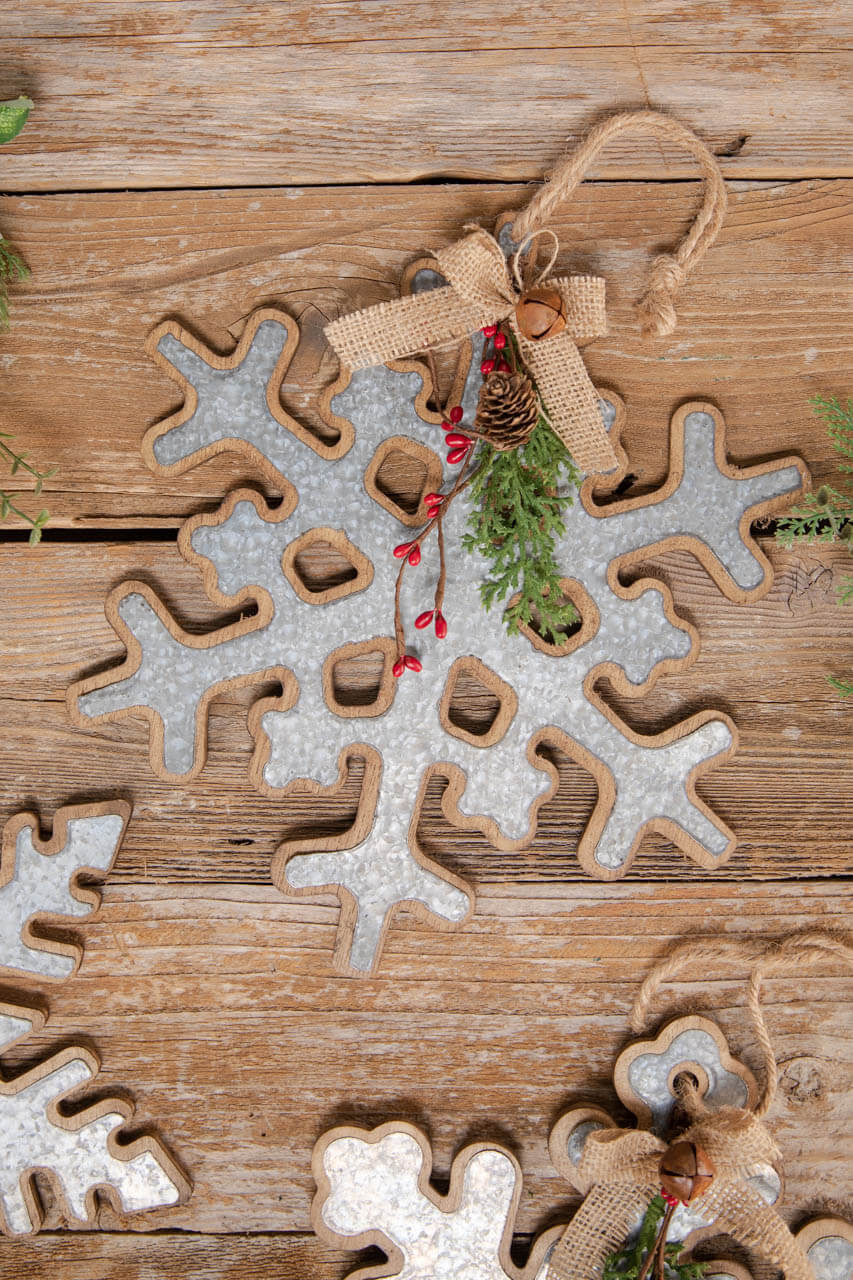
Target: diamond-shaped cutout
x,y
477,705
400,473
323,565
357,678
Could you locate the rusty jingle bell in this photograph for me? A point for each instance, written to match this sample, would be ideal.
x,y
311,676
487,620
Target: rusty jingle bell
x,y
686,1171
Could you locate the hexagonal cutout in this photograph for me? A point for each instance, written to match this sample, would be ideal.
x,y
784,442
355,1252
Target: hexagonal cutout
x,y
477,705
357,678
401,471
577,633
323,565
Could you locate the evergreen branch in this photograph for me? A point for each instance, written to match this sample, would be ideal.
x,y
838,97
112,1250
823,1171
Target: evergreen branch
x,y
517,516
12,267
826,515
8,506
627,1263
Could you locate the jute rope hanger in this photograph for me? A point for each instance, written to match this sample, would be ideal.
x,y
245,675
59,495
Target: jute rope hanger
x,y
619,1168
482,291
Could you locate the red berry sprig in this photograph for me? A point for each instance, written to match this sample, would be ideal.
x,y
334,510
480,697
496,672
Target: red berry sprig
x,y
459,449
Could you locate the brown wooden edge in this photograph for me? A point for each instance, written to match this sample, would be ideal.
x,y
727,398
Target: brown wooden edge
x,y
504,692
558,1138
387,646
433,478
233,443
661,1042
341,543
104,1106
252,592
722,1267
820,1229
447,1204
348,839
664,826
689,543
56,843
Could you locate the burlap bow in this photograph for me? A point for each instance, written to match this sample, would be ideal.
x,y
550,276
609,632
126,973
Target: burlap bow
x,y
618,1171
481,291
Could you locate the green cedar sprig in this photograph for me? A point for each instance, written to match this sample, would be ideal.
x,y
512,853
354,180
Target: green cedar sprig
x,y
13,117
8,506
826,514
626,1263
518,498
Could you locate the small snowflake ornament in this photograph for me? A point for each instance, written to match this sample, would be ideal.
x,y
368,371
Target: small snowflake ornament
x,y
305,631
685,1090
79,1154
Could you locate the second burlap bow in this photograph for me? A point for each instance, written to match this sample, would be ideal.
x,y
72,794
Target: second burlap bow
x,y
619,1172
484,289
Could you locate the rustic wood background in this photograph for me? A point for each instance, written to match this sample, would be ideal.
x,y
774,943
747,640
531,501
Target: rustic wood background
x,y
198,158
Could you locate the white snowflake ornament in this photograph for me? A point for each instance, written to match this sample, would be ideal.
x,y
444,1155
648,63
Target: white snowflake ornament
x,y
305,629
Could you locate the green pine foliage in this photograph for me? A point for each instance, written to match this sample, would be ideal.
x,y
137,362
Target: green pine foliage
x,y
13,117
8,505
626,1263
826,514
518,499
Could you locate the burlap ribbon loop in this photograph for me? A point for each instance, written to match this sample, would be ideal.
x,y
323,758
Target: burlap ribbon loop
x,y
618,1171
481,291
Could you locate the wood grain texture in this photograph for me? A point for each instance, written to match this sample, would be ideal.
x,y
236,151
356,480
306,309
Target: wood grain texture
x,y
210,999
764,663
380,94
228,1025
764,323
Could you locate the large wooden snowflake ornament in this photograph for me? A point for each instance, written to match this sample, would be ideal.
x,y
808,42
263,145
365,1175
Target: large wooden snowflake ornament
x,y
373,1187
304,630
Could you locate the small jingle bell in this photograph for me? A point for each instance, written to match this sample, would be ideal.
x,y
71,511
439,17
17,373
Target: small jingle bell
x,y
686,1171
540,313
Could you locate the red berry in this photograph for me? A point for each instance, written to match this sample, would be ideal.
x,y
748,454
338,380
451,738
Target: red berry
x,y
456,455
431,498
456,413
487,366
503,367
415,555
490,330
440,625
412,663
424,619
500,341
433,511
403,549
447,426
456,438
398,668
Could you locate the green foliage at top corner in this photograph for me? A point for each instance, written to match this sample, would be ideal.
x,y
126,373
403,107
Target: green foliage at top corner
x,y
13,117
626,1263
826,514
518,499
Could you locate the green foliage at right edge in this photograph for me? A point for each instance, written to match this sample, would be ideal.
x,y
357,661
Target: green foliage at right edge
x,y
826,515
518,497
626,1263
13,117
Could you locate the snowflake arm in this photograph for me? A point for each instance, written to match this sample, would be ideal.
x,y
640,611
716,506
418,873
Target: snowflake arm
x,y
43,881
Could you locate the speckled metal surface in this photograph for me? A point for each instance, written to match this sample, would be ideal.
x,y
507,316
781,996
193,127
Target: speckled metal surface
x,y
374,1186
831,1258
41,883
77,1158
501,783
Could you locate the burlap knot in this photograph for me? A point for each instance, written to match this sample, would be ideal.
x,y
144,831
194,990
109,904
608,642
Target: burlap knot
x,y
618,1170
481,290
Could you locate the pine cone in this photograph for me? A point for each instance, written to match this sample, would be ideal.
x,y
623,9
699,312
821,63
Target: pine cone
x,y
507,410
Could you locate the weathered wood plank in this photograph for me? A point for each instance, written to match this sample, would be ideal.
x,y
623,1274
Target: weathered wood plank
x,y
218,1010
120,111
764,324
498,24
764,663
169,1255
